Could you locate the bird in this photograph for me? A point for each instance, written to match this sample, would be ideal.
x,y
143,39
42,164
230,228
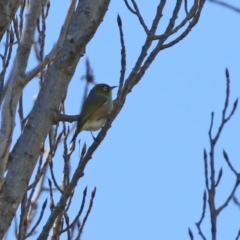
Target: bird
x,y
95,110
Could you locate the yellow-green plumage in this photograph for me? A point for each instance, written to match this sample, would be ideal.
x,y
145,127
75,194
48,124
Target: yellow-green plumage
x,y
95,109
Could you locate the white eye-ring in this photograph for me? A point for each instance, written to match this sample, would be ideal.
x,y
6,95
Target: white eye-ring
x,y
105,89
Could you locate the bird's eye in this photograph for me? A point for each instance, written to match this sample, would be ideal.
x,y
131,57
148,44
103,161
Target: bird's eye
x,y
105,89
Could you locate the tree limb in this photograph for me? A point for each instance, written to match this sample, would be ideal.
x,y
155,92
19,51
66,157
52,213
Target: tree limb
x,y
14,90
8,9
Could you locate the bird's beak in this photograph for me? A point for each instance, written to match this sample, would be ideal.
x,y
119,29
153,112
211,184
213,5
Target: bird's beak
x,y
113,87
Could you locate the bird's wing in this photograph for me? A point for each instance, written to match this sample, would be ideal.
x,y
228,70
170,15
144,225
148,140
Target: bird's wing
x,y
91,104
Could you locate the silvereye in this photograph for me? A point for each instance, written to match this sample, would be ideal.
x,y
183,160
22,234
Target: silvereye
x,y
95,109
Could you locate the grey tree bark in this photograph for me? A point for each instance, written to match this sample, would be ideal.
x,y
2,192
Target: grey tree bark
x,y
8,9
85,20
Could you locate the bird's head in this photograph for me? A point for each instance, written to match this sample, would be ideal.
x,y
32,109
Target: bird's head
x,y
103,89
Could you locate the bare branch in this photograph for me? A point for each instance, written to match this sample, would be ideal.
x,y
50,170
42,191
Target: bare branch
x,y
87,213
238,235
39,219
211,125
191,24
123,58
53,176
14,91
198,224
52,205
48,59
186,7
229,163
5,61
8,9
206,169
227,5
40,173
140,67
135,76
23,4
59,208
219,177
231,195
211,189
229,198
79,212
140,18
129,7
225,118
190,234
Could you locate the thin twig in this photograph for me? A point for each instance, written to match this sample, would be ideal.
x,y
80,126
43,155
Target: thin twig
x,y
79,212
225,118
198,224
38,175
140,18
219,177
38,221
123,58
134,75
206,169
53,176
186,6
227,5
229,198
56,49
225,155
52,205
129,7
238,235
67,224
87,213
190,234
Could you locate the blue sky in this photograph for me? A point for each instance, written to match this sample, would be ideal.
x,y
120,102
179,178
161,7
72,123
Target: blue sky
x,y
149,170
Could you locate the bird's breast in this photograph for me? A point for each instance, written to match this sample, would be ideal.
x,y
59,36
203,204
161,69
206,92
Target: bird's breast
x,y
103,111
95,125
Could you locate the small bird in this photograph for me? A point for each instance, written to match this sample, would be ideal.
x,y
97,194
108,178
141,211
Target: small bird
x,y
95,110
